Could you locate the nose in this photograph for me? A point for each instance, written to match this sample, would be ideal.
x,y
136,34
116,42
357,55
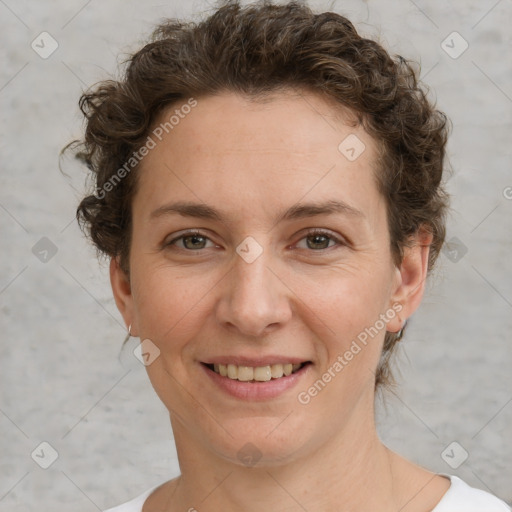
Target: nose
x,y
254,298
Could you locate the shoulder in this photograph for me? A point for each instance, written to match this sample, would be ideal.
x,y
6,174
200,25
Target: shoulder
x,y
461,497
134,505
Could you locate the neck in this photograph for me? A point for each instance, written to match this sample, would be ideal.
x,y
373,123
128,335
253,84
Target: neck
x,y
337,475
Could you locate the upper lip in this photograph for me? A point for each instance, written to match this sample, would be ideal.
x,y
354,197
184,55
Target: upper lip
x,y
255,361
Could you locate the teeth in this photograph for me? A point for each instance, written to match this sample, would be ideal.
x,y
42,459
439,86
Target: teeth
x,y
232,371
259,373
245,373
277,371
262,373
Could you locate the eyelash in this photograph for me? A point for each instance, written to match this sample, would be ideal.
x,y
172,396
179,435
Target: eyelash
x,y
313,232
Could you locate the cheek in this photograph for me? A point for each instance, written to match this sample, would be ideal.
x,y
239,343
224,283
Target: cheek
x,y
349,335
171,308
350,339
171,305
346,301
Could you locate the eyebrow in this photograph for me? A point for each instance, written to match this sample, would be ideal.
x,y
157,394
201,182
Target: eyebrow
x,y
298,211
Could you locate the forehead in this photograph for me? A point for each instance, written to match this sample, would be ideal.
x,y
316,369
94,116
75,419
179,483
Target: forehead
x,y
293,120
228,150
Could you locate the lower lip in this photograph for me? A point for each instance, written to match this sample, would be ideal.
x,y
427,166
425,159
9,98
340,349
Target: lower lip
x,y
256,390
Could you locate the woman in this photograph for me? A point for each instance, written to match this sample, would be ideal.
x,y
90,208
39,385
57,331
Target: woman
x,y
268,191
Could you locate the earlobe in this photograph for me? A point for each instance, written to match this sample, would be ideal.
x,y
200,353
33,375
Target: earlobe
x,y
412,275
122,291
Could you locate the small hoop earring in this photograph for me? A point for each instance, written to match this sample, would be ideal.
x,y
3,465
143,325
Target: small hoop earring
x,y
130,330
400,333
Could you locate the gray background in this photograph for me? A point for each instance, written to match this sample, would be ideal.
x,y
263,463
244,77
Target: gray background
x,y
63,378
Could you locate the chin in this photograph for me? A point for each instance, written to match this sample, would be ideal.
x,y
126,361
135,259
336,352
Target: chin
x,y
260,441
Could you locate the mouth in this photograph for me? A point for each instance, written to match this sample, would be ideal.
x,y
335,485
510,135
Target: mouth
x,y
255,374
255,378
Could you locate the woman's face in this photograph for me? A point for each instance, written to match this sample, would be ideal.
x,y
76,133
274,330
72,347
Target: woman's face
x,y
290,265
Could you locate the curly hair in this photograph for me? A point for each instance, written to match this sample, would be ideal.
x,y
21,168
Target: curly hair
x,y
256,50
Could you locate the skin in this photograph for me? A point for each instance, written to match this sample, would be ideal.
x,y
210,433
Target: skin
x,y
301,297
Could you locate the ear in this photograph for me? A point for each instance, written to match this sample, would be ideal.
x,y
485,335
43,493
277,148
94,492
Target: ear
x,y
411,277
122,291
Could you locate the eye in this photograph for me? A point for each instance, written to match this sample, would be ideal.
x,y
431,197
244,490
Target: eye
x,y
319,240
316,240
190,241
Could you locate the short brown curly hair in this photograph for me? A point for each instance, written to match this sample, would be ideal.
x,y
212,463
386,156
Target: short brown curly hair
x,y
256,50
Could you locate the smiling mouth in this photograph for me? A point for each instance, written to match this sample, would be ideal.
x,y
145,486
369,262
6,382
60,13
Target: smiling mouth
x,y
255,374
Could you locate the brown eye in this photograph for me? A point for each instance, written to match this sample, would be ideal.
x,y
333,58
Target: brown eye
x,y
194,241
320,240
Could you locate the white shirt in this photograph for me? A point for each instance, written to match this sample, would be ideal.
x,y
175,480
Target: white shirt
x,y
460,497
